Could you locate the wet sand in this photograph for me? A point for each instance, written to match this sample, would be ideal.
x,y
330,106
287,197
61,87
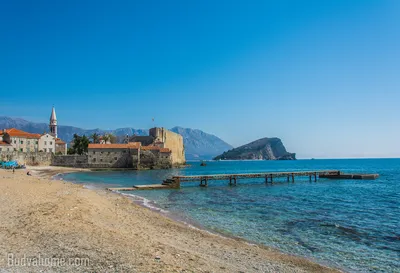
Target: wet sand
x,y
47,218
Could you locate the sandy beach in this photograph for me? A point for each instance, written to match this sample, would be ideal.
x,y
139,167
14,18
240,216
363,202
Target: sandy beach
x,y
96,230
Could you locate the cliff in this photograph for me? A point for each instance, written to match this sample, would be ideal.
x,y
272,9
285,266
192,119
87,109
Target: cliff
x,y
263,149
200,145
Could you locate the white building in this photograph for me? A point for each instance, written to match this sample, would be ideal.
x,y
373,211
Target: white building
x,y
47,143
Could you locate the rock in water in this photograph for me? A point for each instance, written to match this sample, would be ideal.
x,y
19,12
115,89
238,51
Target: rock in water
x,y
262,149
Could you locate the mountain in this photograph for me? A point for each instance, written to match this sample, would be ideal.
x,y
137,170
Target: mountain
x,y
198,144
264,148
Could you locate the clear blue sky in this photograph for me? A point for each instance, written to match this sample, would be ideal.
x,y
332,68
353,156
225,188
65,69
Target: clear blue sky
x,y
324,77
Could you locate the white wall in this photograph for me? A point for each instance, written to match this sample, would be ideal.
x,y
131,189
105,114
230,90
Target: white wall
x,y
47,143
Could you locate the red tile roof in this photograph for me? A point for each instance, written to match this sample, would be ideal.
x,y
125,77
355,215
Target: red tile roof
x,y
134,145
130,145
19,133
150,148
107,146
165,150
59,141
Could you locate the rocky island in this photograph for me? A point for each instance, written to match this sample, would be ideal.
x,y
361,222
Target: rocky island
x,y
262,149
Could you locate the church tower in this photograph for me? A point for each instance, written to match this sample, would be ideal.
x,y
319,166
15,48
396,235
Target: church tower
x,y
53,123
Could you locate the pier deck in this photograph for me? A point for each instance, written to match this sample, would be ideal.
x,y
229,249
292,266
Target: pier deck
x,y
175,181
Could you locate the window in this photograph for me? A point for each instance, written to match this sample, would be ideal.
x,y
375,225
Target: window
x,y
109,153
51,142
15,141
45,143
94,159
0,149
50,150
20,150
22,142
8,149
37,142
101,160
29,142
94,152
44,150
115,158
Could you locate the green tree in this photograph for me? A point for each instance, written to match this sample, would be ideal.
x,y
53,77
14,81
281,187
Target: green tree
x,y
81,144
95,138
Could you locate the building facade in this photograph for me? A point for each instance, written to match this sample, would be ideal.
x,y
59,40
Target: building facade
x,y
21,141
47,143
61,147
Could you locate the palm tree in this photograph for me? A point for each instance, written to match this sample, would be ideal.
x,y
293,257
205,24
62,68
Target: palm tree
x,y
106,138
95,138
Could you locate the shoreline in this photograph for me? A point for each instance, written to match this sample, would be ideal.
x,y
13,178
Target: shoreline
x,y
141,201
207,251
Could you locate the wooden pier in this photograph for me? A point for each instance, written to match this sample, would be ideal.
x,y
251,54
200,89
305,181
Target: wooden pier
x,y
232,178
175,181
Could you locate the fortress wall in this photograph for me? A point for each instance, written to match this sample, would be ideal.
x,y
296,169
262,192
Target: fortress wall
x,y
75,161
30,159
154,160
172,141
113,158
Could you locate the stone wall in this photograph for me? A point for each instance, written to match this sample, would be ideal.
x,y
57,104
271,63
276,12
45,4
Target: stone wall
x,y
113,158
75,161
172,141
153,159
30,159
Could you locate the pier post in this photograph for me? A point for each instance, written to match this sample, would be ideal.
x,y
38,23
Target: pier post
x,y
230,181
310,177
177,183
266,179
315,177
271,179
292,178
288,178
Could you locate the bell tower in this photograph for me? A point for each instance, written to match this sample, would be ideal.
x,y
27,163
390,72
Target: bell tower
x,y
53,123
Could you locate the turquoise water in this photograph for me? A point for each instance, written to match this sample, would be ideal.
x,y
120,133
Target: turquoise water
x,y
349,224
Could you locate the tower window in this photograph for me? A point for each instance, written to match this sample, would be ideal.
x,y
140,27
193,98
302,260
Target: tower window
x,y
51,142
45,143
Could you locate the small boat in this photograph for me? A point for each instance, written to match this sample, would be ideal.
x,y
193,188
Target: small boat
x,y
203,163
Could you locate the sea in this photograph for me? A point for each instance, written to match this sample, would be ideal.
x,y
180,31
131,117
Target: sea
x,y
352,225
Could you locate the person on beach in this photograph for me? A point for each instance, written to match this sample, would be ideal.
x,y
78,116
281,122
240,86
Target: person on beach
x,y
13,169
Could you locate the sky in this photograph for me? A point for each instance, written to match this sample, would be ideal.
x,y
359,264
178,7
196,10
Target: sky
x,y
321,75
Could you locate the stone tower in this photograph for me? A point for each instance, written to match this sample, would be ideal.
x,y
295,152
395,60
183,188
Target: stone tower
x,y
53,123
